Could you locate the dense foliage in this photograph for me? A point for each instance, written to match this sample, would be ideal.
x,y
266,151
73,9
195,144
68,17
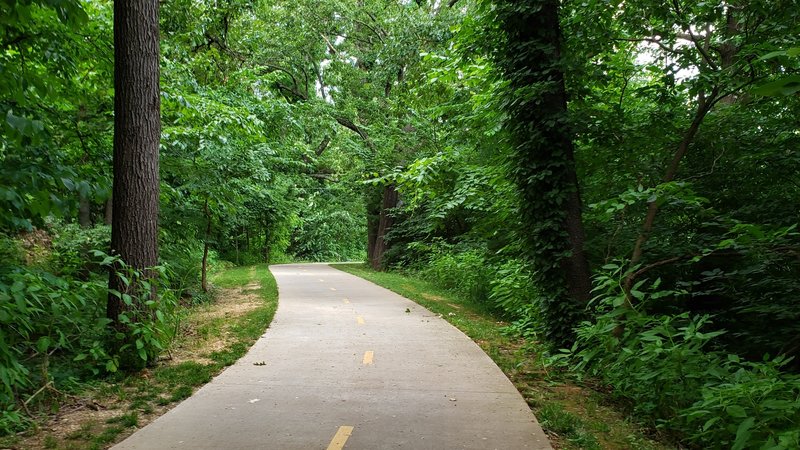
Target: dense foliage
x,y
450,140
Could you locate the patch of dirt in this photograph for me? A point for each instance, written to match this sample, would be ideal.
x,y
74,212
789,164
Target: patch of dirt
x,y
232,303
229,303
434,298
36,245
71,425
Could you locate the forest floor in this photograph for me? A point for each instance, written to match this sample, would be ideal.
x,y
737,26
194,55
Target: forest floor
x,y
210,337
575,416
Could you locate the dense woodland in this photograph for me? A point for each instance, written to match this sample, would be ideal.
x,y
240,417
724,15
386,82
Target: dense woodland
x,y
618,180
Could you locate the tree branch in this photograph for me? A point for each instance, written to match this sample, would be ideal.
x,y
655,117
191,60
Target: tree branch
x,y
322,145
347,123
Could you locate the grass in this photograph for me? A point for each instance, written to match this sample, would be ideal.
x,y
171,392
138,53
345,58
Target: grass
x,y
574,416
134,400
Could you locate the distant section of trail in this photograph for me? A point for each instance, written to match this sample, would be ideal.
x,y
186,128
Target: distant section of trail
x,y
348,364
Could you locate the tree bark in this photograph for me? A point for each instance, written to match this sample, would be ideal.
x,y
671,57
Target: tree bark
x,y
385,222
545,173
576,265
137,130
109,212
84,212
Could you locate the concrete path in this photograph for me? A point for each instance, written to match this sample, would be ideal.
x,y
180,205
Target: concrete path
x,y
348,367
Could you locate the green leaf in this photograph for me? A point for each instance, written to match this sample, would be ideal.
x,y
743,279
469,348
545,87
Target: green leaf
x,y
736,411
788,85
42,344
710,422
743,434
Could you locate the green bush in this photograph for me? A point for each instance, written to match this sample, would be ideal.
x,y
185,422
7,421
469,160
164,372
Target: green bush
x,y
755,405
147,321
53,328
72,246
462,270
10,252
671,373
183,258
43,317
330,236
512,288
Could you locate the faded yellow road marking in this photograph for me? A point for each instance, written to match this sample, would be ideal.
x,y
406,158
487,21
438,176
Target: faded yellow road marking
x,y
360,320
321,279
340,438
346,301
333,289
368,356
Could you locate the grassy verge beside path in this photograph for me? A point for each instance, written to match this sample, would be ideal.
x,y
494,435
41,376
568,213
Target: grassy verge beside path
x,y
210,337
574,417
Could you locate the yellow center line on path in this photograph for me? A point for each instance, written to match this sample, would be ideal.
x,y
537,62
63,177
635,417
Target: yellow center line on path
x,y
360,320
368,356
346,301
340,438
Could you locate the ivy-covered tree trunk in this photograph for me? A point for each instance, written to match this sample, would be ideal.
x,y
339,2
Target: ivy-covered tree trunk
x,y
544,160
137,129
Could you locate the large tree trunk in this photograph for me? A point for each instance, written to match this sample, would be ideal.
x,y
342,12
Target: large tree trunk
x,y
385,222
108,214
373,199
137,129
545,163
84,212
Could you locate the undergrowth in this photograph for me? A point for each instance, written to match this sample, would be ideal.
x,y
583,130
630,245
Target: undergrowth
x,y
144,395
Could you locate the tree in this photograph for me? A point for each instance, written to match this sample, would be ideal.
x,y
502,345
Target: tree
x,y
544,160
137,129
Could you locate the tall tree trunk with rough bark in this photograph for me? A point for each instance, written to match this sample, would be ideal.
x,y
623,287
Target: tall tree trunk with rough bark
x,y
108,212
385,222
84,212
137,130
539,130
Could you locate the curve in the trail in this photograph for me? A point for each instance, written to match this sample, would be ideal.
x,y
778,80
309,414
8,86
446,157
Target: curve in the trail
x,y
350,365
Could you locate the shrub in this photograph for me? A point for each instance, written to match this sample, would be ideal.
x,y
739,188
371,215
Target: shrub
x,y
43,317
512,288
53,327
72,246
754,405
183,258
329,235
671,375
10,252
462,270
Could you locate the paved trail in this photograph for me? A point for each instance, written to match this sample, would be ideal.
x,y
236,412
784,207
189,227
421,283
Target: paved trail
x,y
348,367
